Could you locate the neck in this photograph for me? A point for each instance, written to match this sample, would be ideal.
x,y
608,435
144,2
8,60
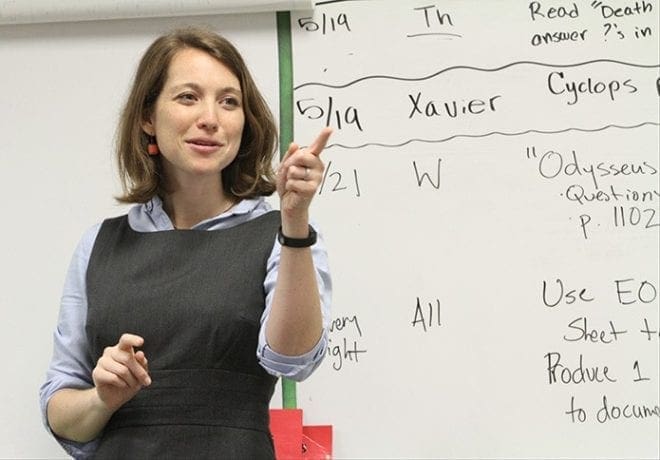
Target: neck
x,y
189,206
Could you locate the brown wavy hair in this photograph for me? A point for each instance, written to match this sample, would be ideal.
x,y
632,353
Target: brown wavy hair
x,y
248,176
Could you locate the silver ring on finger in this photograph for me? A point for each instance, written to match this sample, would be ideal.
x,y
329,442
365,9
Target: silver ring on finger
x,y
306,174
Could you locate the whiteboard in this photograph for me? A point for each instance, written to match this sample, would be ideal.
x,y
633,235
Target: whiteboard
x,y
490,206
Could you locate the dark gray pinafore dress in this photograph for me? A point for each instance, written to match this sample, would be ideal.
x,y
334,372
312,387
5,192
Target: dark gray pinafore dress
x,y
197,298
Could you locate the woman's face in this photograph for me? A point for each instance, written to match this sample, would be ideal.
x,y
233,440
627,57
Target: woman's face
x,y
198,118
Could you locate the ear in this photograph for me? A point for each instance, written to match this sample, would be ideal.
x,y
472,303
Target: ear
x,y
148,128
148,125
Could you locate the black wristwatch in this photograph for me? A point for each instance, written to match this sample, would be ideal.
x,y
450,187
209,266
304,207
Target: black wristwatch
x,y
297,242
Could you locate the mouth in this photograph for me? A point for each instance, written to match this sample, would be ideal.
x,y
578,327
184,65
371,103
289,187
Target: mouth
x,y
203,142
203,146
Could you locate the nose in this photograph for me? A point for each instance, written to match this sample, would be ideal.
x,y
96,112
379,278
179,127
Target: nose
x,y
208,119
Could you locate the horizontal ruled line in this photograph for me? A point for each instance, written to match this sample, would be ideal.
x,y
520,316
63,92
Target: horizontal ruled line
x,y
434,33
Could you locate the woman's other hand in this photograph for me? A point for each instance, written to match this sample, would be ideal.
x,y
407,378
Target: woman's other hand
x,y
121,372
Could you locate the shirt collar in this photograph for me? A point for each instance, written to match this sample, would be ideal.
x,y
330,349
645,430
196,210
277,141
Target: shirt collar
x,y
150,216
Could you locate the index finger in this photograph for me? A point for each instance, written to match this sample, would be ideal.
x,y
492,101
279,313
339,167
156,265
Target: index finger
x,y
137,368
319,143
128,341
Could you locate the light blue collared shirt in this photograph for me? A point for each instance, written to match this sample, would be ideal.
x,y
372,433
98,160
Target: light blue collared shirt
x,y
70,366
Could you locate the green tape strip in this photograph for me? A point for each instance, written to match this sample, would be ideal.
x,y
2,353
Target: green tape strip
x,y
286,79
286,136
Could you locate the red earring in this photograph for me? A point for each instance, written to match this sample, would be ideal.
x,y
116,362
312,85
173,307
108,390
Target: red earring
x,y
152,147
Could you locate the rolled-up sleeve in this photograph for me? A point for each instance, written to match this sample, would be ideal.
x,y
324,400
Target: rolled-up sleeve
x,y
71,365
300,367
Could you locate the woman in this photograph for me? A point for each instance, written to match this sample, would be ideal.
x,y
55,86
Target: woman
x,y
177,318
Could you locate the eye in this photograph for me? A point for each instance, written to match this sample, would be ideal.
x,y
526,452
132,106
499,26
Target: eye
x,y
230,101
187,97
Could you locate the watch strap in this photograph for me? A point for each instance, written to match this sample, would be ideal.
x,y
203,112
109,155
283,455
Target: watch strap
x,y
297,242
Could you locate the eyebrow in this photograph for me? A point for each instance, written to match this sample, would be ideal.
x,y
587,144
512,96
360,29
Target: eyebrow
x,y
198,88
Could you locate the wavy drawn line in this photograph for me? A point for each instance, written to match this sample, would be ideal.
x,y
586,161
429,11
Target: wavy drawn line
x,y
492,133
479,69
